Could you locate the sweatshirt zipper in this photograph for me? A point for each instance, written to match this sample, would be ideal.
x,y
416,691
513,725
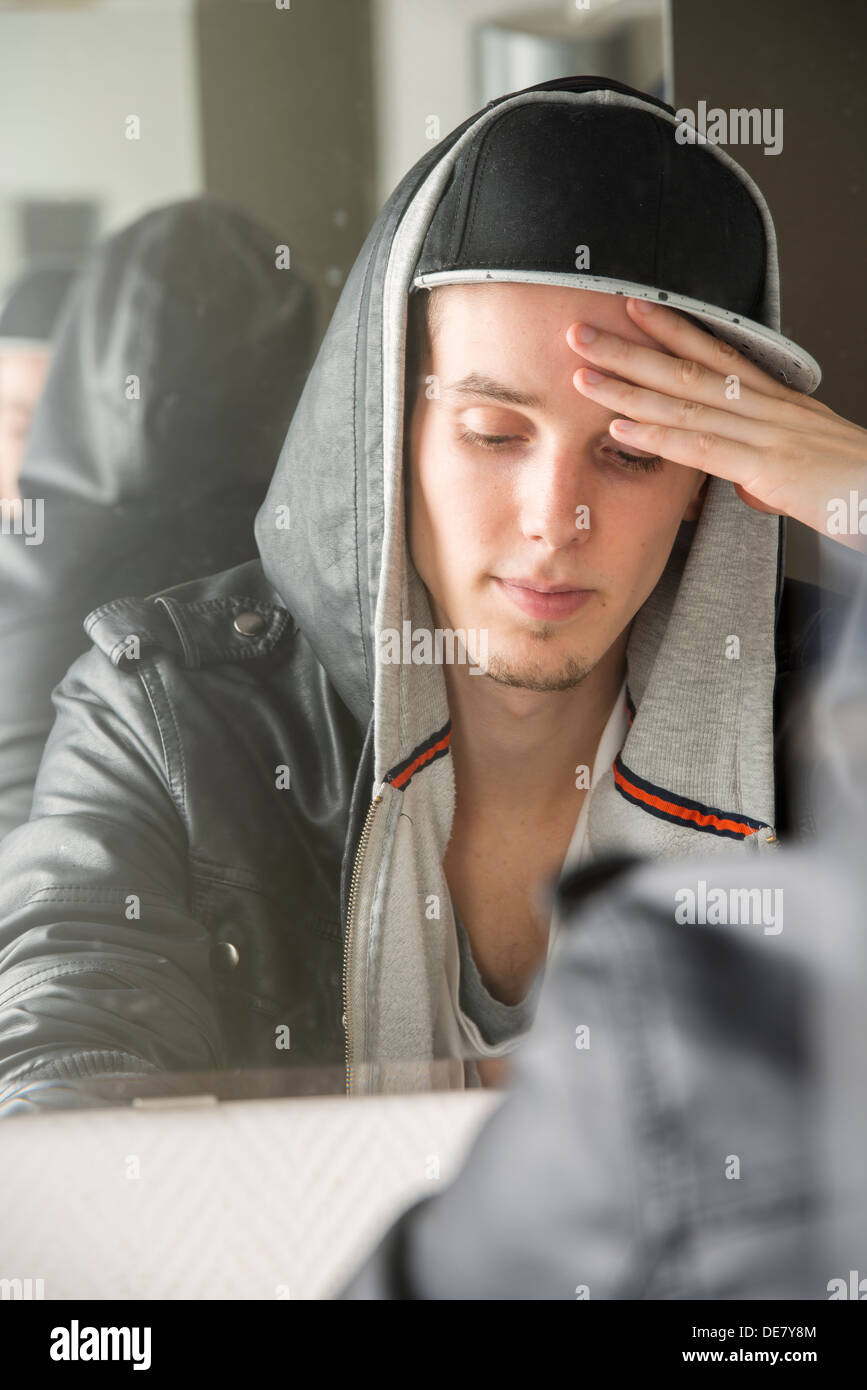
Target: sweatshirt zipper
x,y
350,922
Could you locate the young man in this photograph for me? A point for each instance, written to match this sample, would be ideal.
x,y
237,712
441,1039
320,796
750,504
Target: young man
x,y
250,822
500,461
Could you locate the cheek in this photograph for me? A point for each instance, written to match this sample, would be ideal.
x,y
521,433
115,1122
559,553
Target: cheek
x,y
457,505
640,532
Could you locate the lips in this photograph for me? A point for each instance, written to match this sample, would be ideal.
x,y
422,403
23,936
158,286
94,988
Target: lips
x,y
540,587
540,600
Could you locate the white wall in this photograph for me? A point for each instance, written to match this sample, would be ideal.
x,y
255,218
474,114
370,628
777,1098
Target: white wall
x,y
68,80
422,52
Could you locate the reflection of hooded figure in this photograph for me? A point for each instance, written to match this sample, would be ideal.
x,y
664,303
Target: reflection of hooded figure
x,y
282,799
178,364
29,310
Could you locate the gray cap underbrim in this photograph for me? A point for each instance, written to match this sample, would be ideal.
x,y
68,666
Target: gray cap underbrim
x,y
778,356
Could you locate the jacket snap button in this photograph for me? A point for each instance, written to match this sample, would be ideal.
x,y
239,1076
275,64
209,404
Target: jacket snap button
x,y
226,956
249,624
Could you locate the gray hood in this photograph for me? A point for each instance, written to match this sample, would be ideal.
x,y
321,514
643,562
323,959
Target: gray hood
x,y
696,771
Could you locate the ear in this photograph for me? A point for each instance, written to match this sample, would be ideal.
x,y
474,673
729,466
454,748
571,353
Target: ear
x,y
696,501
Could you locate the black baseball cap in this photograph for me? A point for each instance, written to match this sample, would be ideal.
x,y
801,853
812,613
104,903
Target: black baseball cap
x,y
603,190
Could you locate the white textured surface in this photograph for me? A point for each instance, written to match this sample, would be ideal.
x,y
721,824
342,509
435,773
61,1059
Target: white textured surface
x,y
242,1200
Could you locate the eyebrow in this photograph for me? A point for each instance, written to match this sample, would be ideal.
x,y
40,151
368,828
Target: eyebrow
x,y
477,384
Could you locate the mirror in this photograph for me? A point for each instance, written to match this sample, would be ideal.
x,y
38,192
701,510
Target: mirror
x,y
185,189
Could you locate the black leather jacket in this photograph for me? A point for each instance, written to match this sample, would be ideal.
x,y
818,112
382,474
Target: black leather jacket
x,y
173,904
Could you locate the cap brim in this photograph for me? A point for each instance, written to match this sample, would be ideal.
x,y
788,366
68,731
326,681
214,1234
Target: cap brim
x,y
779,356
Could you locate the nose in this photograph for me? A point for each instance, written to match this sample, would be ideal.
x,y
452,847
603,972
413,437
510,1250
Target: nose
x,y
556,500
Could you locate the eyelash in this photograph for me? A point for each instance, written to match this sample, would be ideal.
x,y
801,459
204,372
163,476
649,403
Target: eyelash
x,y
632,463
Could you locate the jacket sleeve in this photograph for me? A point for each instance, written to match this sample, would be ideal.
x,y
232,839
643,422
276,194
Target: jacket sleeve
x,y
104,968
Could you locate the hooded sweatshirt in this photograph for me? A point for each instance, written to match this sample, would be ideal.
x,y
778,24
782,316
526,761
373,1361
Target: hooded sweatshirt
x,y
695,772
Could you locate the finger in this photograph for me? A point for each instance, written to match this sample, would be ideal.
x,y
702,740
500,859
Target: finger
x,y
782,484
656,408
685,339
683,377
726,458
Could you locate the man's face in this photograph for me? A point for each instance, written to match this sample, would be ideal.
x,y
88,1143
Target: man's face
x,y
22,377
492,518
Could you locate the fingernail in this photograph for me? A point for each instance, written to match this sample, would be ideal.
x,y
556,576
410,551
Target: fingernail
x,y
643,307
586,334
593,377
623,426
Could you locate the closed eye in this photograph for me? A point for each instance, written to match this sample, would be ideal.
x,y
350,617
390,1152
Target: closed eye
x,y
487,441
638,463
633,463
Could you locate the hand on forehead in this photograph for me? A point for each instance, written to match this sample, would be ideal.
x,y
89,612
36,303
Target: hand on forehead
x,y
608,314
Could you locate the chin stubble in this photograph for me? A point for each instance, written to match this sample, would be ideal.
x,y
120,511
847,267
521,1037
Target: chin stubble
x,y
532,675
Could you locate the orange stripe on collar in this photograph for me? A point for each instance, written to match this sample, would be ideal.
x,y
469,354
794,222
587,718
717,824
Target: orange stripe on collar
x,y
434,747
680,810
